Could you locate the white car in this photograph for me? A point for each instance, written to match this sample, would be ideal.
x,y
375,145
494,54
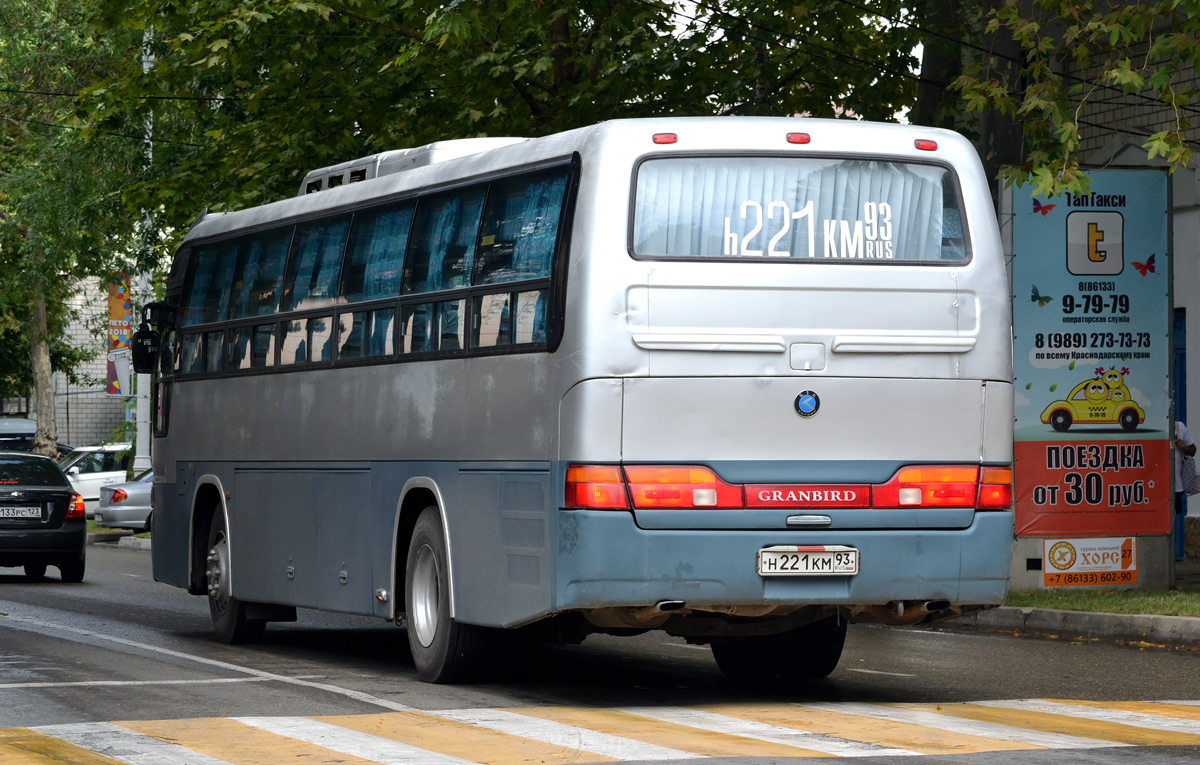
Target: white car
x,y
90,467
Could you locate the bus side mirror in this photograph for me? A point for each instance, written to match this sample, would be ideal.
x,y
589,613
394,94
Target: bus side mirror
x,y
144,348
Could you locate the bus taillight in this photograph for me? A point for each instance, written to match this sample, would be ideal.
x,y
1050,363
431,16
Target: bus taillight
x,y
665,138
924,144
680,486
598,487
798,138
995,489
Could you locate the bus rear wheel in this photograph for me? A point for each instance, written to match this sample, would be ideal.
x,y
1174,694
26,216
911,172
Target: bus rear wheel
x,y
228,613
805,653
443,650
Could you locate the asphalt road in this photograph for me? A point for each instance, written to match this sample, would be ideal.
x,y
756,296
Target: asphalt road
x,y
121,648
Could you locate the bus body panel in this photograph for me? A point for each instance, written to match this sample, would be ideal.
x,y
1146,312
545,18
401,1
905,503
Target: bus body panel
x,y
604,559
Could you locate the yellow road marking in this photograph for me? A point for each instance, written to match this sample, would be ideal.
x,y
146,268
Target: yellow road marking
x,y
673,735
236,742
891,735
21,746
460,739
1102,730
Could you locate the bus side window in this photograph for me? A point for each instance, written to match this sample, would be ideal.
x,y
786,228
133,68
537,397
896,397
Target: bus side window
x,y
259,274
375,258
311,280
443,241
521,228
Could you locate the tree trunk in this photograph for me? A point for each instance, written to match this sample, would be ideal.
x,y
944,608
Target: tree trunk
x,y
45,438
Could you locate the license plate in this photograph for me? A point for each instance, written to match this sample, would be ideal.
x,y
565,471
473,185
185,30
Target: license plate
x,y
20,512
807,560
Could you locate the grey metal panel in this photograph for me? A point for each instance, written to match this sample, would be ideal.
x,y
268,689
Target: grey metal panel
x,y
590,422
500,527
273,537
997,423
754,418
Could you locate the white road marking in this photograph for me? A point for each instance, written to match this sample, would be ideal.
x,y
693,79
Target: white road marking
x,y
968,727
126,746
346,741
877,672
1136,719
561,734
94,683
775,734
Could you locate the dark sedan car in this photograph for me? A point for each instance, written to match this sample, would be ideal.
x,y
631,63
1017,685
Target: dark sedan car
x,y
42,519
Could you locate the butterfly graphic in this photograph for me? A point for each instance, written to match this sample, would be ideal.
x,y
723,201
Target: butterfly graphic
x,y
1039,298
1038,207
1145,268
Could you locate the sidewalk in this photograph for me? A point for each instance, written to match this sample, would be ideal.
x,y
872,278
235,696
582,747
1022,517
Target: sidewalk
x,y
1148,628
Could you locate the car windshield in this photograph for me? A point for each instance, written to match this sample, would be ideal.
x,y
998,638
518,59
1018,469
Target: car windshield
x,y
30,472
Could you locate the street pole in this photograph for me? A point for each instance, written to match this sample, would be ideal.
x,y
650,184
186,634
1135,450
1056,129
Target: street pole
x,y
141,453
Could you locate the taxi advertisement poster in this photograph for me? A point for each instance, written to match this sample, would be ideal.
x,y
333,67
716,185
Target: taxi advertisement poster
x,y
1091,358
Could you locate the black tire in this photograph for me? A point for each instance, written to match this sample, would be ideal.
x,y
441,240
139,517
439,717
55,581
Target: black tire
x,y
805,653
1060,420
35,572
1128,419
228,613
443,650
72,570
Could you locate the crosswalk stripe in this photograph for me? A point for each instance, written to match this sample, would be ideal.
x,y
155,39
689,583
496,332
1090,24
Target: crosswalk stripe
x,y
1105,714
460,739
698,718
562,734
353,742
1184,710
24,746
238,743
932,716
1026,714
682,737
884,733
122,745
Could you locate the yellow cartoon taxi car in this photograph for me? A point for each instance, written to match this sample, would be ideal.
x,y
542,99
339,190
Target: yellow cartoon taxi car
x,y
1095,402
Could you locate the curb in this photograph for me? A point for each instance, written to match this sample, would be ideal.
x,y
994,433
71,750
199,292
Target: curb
x,y
1168,630
119,540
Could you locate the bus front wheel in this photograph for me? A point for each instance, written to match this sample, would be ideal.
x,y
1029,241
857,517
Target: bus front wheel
x,y
228,613
443,650
805,653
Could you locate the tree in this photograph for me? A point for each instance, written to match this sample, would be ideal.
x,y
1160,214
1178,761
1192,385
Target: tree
x,y
248,95
1078,59
59,214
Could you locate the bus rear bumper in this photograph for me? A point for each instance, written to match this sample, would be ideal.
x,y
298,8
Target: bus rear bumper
x,y
605,561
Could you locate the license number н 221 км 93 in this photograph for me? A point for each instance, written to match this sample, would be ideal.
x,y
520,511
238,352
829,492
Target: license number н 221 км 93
x,y
807,560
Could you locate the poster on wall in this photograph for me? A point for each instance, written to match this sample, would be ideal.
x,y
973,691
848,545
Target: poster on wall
x,y
1091,358
120,323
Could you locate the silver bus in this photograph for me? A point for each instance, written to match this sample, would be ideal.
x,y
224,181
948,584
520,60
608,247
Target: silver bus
x,y
744,380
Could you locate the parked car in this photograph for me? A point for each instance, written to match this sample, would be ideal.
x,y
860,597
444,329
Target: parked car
x,y
16,434
126,505
90,467
42,520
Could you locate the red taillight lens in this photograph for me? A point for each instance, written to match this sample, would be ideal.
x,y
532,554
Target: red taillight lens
x,y
680,486
995,489
925,145
119,495
600,487
75,508
798,138
665,138
929,486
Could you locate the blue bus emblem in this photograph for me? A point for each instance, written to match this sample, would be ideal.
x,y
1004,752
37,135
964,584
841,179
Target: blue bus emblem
x,y
807,403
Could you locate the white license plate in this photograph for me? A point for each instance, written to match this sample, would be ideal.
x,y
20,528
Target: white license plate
x,y
807,560
20,512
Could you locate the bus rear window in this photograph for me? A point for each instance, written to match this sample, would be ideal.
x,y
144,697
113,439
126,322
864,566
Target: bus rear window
x,y
810,208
